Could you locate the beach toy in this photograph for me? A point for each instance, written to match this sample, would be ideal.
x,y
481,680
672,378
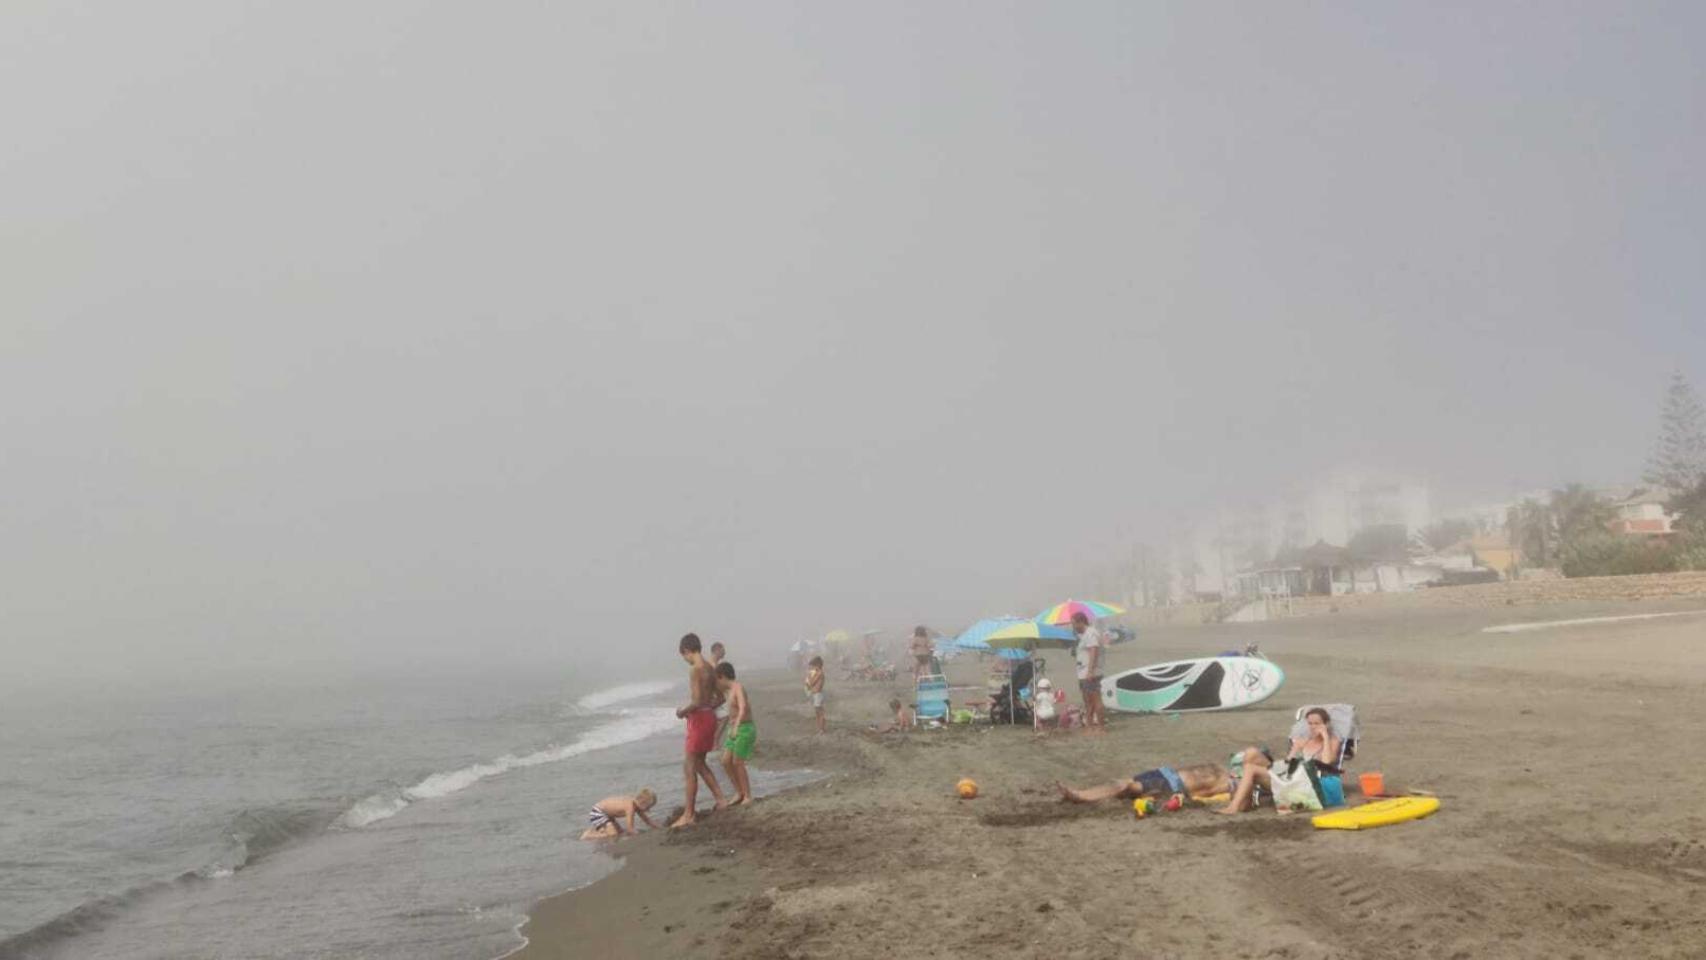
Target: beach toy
x,y
1373,785
1141,807
1378,814
967,788
1174,802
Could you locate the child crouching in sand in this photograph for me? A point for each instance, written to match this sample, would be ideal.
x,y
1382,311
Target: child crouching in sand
x,y
904,718
743,733
605,819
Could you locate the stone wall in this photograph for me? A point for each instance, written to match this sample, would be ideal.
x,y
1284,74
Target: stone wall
x,y
1520,592
1644,587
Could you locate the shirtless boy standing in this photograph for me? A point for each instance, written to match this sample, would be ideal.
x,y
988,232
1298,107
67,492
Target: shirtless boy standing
x,y
701,717
814,690
717,654
743,733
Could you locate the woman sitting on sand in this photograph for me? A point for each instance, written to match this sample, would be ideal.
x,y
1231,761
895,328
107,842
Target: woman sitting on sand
x,y
1320,745
605,820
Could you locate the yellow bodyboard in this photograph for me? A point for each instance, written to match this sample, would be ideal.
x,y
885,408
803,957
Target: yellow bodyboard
x,y
1377,814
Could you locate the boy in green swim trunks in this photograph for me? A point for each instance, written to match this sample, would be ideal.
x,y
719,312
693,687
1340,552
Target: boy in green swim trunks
x,y
743,733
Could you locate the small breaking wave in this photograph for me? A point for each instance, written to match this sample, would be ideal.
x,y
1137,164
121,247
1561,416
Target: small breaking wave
x,y
259,833
254,834
622,693
90,915
630,725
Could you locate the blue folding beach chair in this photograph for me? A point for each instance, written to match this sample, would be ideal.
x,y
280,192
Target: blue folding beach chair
x,y
931,702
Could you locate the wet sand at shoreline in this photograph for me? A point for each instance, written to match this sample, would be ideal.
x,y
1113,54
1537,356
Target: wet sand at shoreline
x,y
1567,759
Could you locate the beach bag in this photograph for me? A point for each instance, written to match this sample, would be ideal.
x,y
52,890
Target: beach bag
x,y
1332,790
1297,786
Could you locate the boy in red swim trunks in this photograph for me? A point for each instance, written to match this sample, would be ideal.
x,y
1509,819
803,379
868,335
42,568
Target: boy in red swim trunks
x,y
701,716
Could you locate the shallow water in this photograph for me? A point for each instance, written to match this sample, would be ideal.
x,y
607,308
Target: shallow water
x,y
413,818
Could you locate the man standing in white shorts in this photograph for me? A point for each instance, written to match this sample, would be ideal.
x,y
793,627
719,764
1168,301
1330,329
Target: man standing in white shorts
x,y
1091,645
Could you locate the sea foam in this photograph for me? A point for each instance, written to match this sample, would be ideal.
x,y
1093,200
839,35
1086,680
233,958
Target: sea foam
x,y
626,726
623,693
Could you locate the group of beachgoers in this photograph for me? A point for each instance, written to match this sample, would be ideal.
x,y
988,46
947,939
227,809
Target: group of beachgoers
x,y
717,709
1238,780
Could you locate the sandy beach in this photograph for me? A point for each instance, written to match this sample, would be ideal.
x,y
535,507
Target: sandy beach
x,y
1568,760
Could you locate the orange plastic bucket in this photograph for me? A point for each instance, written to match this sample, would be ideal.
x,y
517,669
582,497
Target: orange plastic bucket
x,y
1373,785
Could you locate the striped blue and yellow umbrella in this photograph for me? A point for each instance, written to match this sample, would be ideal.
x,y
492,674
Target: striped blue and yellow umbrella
x,y
1030,635
976,637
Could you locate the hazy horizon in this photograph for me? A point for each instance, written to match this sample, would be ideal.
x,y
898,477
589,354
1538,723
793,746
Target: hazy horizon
x,y
427,333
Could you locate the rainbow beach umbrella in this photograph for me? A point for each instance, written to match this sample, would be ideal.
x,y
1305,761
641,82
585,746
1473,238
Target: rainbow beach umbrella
x,y
1061,613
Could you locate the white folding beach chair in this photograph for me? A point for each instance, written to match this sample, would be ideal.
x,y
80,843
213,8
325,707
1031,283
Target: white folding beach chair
x,y
1345,726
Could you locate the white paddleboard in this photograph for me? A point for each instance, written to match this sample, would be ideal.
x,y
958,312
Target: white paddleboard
x,y
1207,683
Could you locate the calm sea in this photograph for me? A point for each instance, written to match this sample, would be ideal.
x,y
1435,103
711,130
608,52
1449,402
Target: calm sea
x,y
397,819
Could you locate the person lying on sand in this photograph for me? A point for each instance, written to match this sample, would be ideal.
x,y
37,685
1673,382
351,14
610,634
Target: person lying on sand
x,y
743,733
1197,781
1320,745
605,820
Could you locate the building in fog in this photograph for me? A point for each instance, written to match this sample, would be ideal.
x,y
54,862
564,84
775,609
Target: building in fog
x,y
1249,536
1642,513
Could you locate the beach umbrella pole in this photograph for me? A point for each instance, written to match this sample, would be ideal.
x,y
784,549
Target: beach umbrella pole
x,y
1012,697
1030,661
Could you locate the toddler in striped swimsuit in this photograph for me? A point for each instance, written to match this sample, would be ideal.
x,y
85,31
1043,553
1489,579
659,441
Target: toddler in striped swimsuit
x,y
614,816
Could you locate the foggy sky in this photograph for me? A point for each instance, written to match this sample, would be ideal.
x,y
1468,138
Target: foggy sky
x,y
355,334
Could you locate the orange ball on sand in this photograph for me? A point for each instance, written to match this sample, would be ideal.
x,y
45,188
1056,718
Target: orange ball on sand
x,y
967,788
